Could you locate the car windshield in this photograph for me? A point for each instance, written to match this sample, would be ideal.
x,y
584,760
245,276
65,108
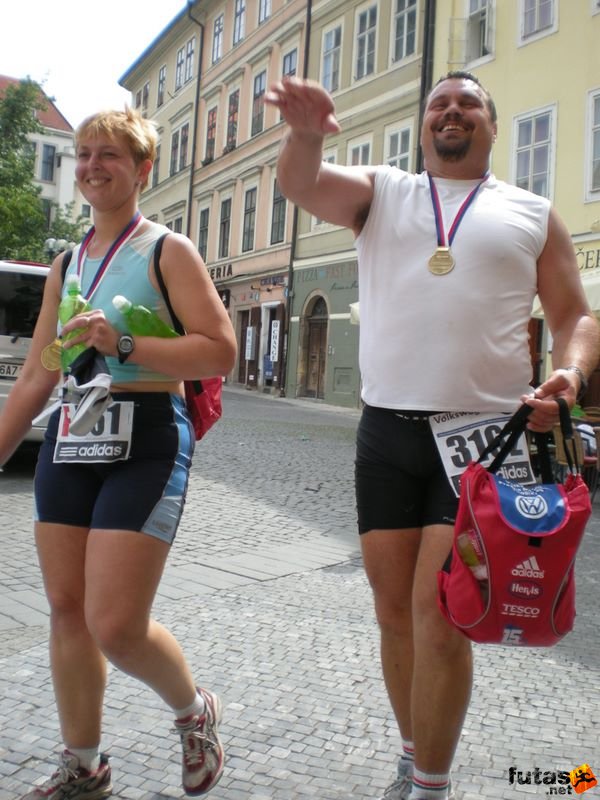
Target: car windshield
x,y
20,301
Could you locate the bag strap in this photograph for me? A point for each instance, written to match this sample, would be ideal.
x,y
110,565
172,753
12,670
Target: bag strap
x,y
198,388
66,260
514,428
163,288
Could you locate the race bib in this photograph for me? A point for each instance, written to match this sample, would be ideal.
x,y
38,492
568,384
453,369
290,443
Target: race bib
x,y
461,437
109,440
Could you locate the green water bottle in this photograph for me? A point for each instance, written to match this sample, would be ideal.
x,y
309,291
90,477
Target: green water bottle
x,y
141,321
72,303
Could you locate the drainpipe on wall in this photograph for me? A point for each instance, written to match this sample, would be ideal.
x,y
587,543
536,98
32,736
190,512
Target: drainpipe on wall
x,y
426,70
290,284
190,6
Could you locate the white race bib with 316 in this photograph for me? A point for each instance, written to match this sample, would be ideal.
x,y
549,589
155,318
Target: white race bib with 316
x,y
461,437
109,440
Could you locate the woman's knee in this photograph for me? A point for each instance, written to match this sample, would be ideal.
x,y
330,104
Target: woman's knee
x,y
115,635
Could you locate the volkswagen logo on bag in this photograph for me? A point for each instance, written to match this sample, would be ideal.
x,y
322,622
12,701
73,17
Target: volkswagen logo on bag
x,y
531,506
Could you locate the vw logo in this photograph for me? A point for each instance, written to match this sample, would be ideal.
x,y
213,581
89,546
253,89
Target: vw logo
x,y
532,506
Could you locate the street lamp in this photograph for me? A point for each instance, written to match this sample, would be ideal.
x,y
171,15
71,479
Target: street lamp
x,y
52,247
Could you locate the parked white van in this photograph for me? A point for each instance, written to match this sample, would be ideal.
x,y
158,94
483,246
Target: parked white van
x,y
21,290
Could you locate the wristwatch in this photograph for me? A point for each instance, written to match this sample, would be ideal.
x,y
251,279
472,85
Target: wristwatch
x,y
583,384
125,345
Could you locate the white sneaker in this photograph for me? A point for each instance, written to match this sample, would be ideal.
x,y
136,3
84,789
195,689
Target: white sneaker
x,y
203,755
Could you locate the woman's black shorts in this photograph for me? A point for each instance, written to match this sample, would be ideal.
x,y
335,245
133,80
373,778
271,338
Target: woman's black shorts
x,y
146,492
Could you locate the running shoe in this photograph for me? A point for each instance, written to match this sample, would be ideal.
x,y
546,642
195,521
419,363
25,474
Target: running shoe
x,y
399,789
73,782
203,755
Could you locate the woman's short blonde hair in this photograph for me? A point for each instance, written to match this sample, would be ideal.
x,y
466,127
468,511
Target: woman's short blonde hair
x,y
138,132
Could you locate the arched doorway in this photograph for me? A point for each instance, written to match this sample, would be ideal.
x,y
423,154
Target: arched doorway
x,y
316,350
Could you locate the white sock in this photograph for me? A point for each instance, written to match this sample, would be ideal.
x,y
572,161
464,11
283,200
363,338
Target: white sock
x,y
428,786
89,757
197,708
405,765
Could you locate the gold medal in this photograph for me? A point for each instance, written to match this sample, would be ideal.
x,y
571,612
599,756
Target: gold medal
x,y
441,262
51,355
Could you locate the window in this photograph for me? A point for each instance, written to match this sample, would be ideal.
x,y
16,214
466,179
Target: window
x,y
365,42
217,45
258,104
145,96
224,228
174,153
86,210
290,62
189,60
278,216
264,10
479,29
360,154
183,149
138,98
533,138
162,82
156,167
232,119
249,220
405,26
203,233
594,182
332,41
179,68
328,158
48,159
398,148
239,21
537,16
211,134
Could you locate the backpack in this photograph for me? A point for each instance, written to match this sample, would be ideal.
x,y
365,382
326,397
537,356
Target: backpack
x,y
509,578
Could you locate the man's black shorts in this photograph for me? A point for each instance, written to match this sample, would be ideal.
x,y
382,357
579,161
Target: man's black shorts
x,y
399,476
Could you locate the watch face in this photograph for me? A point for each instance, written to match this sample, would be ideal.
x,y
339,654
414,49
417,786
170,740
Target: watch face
x,y
125,346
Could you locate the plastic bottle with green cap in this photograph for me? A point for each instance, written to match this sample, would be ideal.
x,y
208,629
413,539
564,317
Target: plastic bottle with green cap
x,y
72,303
141,321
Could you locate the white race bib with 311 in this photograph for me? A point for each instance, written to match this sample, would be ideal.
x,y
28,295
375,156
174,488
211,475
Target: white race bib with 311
x,y
109,440
461,437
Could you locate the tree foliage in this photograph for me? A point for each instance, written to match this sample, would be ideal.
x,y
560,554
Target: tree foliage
x,y
23,225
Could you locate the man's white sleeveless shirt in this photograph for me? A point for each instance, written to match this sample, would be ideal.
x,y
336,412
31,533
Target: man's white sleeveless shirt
x,y
454,342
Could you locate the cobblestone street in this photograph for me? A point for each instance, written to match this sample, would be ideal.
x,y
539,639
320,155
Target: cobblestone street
x,y
265,590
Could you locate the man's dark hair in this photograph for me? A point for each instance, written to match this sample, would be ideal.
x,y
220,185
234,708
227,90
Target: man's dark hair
x,y
459,74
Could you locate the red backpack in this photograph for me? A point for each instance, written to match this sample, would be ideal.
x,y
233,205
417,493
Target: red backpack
x,y
510,576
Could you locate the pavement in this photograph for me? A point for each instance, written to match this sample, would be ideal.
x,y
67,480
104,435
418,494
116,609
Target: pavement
x,y
266,592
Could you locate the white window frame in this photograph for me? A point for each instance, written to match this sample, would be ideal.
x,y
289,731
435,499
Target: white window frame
x,y
162,86
400,128
489,34
190,56
532,113
263,69
272,206
340,54
179,68
218,38
395,13
264,11
538,33
239,21
365,9
222,199
286,55
206,207
358,146
591,194
249,188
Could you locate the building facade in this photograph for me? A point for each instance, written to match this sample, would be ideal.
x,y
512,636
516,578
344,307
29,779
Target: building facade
x,y
220,188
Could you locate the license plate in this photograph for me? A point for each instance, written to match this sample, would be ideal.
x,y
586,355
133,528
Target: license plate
x,y
9,370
